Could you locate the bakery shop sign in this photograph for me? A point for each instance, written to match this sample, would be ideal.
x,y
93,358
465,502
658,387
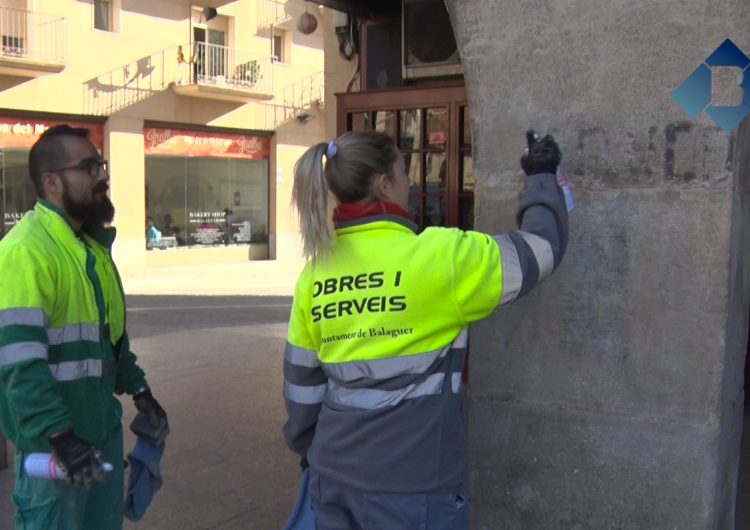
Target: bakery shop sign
x,y
181,142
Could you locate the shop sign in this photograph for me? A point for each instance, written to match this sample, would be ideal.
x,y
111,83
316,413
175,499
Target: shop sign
x,y
206,217
11,218
208,235
18,133
208,231
180,142
210,224
241,232
437,137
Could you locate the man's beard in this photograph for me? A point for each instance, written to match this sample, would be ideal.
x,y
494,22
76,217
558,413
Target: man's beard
x,y
97,212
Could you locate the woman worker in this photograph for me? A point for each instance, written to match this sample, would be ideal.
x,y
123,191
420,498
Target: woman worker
x,y
378,331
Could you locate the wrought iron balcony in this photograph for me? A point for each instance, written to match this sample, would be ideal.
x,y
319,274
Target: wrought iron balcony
x,y
300,100
31,43
220,72
199,70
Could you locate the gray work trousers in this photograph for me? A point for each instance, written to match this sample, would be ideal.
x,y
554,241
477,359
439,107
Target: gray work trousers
x,y
339,507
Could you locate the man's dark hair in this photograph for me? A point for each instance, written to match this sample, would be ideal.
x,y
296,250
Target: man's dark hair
x,y
49,152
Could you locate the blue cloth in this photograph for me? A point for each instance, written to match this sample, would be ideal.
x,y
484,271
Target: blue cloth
x,y
303,517
144,479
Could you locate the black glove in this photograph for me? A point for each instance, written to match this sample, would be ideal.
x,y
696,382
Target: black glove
x,y
81,461
542,155
146,403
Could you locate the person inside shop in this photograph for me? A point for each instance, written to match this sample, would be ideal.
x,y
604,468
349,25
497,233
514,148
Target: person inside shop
x,y
64,349
169,229
153,235
379,325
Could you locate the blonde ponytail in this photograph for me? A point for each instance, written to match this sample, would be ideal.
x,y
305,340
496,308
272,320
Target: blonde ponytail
x,y
352,161
310,199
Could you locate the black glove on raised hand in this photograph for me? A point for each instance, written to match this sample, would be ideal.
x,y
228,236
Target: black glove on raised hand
x,y
82,462
542,155
146,403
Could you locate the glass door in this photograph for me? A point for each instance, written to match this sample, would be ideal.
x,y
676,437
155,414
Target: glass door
x,y
217,51
199,54
466,171
432,129
209,55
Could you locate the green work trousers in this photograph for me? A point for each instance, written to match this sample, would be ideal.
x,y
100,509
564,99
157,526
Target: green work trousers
x,y
56,505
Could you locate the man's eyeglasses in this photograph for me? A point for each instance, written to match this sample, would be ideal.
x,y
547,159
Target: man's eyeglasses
x,y
90,165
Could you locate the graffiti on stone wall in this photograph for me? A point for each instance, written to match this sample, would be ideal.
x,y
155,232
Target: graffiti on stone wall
x,y
680,153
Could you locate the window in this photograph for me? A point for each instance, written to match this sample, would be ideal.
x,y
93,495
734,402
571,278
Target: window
x,y
103,15
204,189
278,53
432,129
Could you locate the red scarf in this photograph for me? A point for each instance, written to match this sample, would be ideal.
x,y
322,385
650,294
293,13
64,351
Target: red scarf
x,y
350,211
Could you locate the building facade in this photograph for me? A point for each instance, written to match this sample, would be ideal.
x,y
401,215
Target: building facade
x,y
201,111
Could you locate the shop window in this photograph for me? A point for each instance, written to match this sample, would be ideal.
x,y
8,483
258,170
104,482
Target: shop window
x,y
17,194
205,201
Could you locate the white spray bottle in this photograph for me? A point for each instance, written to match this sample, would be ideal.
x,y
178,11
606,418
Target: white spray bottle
x,y
44,465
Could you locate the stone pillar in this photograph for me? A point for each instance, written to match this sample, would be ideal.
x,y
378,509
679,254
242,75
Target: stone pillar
x,y
610,397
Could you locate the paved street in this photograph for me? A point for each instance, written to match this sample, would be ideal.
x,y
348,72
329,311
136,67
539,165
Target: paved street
x,y
215,364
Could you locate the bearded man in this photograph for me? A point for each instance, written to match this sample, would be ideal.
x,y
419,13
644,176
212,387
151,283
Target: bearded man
x,y
64,350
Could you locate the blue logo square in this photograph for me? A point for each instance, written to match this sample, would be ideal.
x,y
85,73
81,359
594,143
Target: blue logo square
x,y
694,94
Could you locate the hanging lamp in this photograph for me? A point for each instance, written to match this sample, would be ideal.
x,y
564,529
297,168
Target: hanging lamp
x,y
307,22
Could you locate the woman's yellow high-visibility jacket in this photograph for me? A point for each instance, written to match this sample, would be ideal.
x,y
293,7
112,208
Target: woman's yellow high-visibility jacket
x,y
63,346
378,333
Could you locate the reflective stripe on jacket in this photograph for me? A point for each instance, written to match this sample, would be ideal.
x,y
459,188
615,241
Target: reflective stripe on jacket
x,y
378,335
62,327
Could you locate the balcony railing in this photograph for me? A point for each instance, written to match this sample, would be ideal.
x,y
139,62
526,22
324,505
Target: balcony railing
x,y
32,36
293,101
222,66
303,93
198,70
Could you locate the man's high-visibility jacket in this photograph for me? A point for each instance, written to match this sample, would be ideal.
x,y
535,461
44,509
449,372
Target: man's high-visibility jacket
x,y
63,346
377,340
